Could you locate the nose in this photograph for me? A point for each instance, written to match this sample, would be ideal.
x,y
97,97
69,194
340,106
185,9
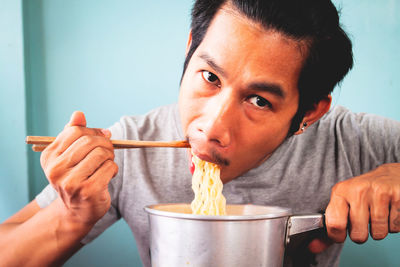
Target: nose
x,y
219,119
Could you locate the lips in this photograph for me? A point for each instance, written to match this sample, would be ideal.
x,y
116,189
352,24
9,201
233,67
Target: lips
x,y
207,151
203,156
191,164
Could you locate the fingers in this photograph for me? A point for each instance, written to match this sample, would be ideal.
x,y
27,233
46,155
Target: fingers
x,y
72,146
319,245
395,217
84,145
351,207
69,135
93,161
80,160
339,212
380,212
371,199
359,219
98,163
100,179
79,164
77,119
72,131
336,216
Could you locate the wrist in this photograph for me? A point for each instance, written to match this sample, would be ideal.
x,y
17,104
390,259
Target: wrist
x,y
67,224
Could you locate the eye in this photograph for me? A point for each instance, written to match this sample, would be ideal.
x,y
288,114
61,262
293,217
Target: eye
x,y
210,77
259,101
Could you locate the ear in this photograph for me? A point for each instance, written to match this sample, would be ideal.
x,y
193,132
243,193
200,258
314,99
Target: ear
x,y
316,113
189,43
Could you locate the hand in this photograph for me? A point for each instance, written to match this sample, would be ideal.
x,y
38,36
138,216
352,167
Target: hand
x,y
79,164
372,198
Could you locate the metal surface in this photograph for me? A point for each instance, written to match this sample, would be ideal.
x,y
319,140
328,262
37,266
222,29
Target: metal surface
x,y
249,235
303,223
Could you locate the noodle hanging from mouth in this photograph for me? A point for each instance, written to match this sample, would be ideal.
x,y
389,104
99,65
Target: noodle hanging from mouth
x,y
207,187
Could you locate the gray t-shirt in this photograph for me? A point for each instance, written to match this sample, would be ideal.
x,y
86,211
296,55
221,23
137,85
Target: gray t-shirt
x,y
299,174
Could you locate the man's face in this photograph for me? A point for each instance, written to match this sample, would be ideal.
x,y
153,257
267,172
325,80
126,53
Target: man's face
x,y
239,93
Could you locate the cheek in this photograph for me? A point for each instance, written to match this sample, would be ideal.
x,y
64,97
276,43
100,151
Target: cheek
x,y
267,138
188,108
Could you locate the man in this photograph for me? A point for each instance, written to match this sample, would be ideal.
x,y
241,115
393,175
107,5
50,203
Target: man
x,y
254,98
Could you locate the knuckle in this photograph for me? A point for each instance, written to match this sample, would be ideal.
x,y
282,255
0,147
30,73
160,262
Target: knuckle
x,y
98,157
85,140
336,226
108,163
52,173
111,167
85,194
379,217
68,187
381,191
111,154
362,188
337,187
68,158
76,130
105,198
101,154
73,131
44,158
115,168
340,187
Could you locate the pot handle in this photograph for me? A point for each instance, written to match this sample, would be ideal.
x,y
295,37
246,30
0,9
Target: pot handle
x,y
302,223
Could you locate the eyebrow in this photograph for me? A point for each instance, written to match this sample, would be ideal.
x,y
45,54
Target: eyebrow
x,y
212,63
272,88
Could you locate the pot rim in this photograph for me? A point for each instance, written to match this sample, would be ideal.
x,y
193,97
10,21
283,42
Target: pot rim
x,y
260,212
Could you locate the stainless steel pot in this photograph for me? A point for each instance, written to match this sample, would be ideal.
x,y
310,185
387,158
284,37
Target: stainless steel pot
x,y
249,235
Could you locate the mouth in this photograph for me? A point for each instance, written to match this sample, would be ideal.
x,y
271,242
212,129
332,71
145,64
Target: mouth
x,y
212,157
206,152
205,157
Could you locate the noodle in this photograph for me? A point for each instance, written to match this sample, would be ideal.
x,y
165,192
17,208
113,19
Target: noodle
x,y
207,187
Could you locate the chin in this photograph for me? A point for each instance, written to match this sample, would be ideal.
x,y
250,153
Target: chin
x,y
227,176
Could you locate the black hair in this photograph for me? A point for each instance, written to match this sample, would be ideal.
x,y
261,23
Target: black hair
x,y
329,55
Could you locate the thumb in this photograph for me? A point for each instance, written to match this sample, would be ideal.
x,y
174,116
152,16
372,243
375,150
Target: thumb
x,y
77,119
320,244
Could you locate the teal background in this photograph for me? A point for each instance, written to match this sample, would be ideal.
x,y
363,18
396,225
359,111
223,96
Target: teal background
x,y
113,58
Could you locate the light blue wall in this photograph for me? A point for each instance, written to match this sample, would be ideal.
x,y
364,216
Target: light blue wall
x,y
111,58
108,59
374,83
372,86
13,161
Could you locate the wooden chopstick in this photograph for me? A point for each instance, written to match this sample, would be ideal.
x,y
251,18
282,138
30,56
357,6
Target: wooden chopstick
x,y
41,142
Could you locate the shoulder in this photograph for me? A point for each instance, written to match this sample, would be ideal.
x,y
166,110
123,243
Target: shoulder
x,y
341,120
367,137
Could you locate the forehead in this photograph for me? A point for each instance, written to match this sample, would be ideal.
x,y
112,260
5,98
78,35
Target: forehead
x,y
247,49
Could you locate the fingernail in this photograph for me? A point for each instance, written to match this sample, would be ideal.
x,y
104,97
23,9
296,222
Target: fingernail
x,y
106,133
